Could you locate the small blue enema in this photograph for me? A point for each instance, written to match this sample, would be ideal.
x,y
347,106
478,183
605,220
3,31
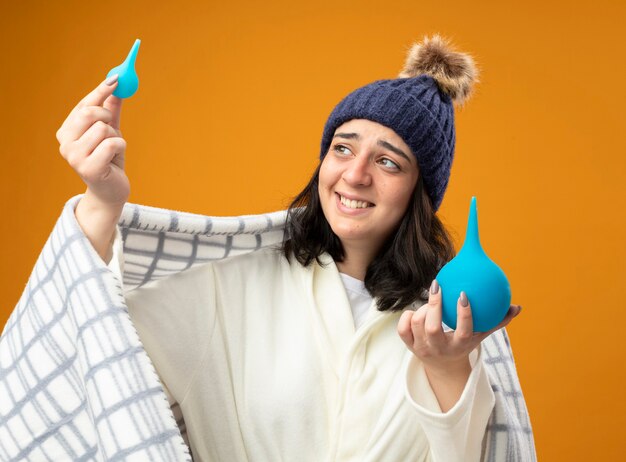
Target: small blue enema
x,y
128,82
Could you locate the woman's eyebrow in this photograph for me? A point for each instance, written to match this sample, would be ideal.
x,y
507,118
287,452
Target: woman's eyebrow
x,y
382,143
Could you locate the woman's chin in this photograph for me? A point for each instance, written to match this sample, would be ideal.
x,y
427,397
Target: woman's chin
x,y
346,235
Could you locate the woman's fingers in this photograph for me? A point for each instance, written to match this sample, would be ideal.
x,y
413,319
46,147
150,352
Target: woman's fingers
x,y
99,163
411,328
418,321
113,104
422,331
80,149
433,329
83,120
464,321
96,97
404,328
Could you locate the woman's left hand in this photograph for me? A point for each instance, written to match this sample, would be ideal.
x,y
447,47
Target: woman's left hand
x,y
445,355
422,332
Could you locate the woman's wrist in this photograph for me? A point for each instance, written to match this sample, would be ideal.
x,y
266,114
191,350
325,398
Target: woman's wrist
x,y
449,370
448,382
96,204
98,219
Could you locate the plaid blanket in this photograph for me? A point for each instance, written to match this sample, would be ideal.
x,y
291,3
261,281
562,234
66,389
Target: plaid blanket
x,y
75,381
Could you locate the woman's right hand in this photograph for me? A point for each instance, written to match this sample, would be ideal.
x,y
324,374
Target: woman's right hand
x,y
91,141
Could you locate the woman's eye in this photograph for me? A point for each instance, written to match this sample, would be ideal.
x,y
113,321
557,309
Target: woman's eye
x,y
389,163
338,148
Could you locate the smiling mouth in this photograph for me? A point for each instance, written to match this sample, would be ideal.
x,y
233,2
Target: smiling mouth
x,y
354,204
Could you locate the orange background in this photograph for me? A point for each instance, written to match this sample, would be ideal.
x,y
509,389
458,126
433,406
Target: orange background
x,y
228,120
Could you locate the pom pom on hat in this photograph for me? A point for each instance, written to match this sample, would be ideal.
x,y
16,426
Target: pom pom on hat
x,y
454,72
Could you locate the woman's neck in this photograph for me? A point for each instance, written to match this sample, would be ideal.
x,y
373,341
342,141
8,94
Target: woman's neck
x,y
356,260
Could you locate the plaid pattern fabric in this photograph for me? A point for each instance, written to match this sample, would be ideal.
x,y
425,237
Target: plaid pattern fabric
x,y
75,380
509,434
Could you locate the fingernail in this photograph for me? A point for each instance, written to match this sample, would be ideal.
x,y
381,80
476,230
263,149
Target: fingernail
x,y
463,299
434,287
111,80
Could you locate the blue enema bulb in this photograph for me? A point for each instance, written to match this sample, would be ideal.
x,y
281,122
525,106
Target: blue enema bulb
x,y
128,82
485,284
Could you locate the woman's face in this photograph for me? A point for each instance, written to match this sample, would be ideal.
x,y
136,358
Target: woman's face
x,y
365,182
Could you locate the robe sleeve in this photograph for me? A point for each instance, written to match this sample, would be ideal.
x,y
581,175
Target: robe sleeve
x,y
455,435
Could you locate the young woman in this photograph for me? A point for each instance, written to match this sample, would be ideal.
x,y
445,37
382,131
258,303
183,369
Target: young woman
x,y
330,346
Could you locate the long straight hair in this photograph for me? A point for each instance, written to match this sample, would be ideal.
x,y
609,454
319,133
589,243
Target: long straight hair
x,y
405,265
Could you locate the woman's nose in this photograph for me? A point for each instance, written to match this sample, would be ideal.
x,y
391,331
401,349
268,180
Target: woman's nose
x,y
357,172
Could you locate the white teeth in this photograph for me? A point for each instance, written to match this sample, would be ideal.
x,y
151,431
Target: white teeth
x,y
354,204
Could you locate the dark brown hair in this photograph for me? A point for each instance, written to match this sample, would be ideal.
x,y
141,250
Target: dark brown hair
x,y
404,267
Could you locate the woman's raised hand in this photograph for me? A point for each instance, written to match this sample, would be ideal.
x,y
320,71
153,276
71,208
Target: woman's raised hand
x,y
92,144
91,141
